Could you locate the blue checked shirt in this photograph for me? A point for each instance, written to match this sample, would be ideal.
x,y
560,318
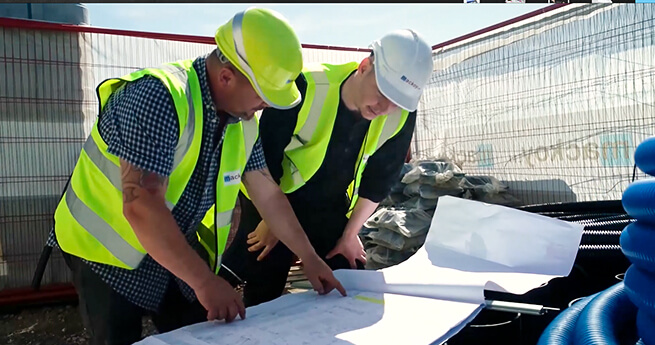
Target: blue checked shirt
x,y
139,124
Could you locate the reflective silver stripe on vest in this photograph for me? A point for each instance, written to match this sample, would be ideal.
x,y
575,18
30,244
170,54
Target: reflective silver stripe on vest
x,y
104,233
249,136
110,170
107,167
186,139
390,126
304,135
207,235
224,218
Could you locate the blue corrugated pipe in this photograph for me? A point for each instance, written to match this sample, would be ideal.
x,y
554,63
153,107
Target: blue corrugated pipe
x,y
644,154
640,288
645,324
607,319
607,316
560,330
639,201
638,242
638,245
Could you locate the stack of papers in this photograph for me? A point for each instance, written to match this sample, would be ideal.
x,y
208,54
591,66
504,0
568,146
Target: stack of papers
x,y
471,246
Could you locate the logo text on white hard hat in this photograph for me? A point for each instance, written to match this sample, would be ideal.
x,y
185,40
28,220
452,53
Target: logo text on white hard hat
x,y
406,80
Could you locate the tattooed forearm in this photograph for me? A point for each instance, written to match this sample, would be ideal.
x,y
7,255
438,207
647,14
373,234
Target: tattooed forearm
x,y
134,178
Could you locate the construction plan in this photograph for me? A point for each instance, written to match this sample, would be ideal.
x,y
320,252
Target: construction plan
x,y
470,247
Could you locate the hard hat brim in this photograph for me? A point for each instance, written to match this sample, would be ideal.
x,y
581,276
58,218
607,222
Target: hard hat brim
x,y
283,99
392,93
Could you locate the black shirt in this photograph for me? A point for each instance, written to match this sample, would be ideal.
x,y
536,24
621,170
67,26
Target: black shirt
x,y
326,190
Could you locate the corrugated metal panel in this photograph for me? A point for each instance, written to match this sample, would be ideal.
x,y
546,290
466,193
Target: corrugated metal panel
x,y
554,106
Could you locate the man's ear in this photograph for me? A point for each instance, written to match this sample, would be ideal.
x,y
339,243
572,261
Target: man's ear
x,y
226,77
365,65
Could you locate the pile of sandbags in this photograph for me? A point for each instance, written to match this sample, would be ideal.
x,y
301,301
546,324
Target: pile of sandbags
x,y
488,189
399,226
393,235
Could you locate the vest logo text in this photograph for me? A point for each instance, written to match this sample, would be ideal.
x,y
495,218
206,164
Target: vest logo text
x,y
231,178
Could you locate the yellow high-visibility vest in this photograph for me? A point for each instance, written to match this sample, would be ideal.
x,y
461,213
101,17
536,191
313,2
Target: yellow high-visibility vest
x,y
304,154
89,220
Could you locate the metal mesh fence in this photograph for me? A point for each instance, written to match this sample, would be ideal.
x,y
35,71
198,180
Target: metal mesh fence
x,y
554,106
47,108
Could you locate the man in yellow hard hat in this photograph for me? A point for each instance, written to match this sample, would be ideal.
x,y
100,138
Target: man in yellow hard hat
x,y
169,143
336,155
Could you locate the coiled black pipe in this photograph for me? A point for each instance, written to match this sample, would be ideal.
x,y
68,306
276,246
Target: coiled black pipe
x,y
607,225
584,218
605,251
585,207
601,237
600,247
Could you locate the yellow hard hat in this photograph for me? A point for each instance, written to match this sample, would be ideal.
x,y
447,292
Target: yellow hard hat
x,y
262,45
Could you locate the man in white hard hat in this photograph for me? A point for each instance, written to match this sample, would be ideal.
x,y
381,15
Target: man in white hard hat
x,y
336,156
169,142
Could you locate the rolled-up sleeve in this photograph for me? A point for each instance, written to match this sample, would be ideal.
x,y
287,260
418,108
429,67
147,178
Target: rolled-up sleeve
x,y
140,125
257,161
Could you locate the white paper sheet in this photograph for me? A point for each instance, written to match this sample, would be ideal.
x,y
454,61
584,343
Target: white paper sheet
x,y
306,318
501,248
509,240
412,280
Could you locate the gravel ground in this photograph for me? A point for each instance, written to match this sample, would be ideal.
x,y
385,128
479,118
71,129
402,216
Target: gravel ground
x,y
50,325
62,324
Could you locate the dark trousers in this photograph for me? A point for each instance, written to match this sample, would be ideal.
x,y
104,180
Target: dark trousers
x,y
113,320
265,280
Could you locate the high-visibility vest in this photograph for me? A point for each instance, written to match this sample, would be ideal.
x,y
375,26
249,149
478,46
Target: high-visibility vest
x,y
304,154
89,220
226,199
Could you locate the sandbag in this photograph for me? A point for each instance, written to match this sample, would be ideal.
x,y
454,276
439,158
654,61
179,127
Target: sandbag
x,y
394,240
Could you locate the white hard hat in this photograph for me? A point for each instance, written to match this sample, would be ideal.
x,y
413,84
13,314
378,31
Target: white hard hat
x,y
403,65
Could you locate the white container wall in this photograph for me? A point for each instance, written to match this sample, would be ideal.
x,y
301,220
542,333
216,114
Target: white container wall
x,y
554,105
47,108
